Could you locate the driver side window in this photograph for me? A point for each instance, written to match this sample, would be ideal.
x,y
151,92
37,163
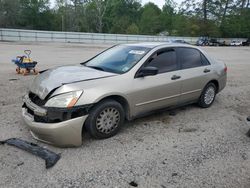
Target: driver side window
x,y
165,61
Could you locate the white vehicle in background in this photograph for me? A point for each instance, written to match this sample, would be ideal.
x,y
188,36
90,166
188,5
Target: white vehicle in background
x,y
236,43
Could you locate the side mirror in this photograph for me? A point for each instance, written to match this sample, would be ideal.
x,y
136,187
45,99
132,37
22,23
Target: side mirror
x,y
147,71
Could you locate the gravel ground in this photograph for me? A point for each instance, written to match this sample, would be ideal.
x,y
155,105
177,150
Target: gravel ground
x,y
192,147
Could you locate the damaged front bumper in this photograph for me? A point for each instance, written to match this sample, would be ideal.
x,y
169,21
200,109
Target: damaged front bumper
x,y
59,127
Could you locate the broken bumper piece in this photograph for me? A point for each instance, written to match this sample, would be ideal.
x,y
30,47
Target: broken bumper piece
x,y
50,157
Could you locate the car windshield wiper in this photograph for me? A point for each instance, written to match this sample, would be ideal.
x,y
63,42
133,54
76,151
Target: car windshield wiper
x,y
95,67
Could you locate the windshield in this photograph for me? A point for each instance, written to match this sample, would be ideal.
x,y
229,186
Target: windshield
x,y
118,59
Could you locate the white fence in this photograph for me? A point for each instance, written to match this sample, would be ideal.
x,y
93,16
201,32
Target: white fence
x,y
76,37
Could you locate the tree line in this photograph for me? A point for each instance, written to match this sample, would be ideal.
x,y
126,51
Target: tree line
x,y
215,18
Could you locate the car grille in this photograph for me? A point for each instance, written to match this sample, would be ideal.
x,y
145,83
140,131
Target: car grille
x,y
36,99
30,111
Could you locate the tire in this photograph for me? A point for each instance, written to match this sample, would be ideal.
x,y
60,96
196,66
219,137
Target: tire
x,y
35,71
207,96
105,119
25,72
18,70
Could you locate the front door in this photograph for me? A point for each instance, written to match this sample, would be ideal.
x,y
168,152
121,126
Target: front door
x,y
161,90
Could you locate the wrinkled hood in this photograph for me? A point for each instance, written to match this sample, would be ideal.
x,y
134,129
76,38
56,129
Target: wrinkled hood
x,y
51,79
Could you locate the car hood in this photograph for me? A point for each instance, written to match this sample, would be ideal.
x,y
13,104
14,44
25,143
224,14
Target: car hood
x,y
51,79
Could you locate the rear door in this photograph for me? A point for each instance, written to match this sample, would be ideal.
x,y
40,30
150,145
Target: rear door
x,y
161,90
196,73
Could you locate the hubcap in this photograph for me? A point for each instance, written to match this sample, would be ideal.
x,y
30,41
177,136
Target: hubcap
x,y
209,95
108,120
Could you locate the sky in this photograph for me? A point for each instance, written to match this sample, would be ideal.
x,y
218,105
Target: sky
x,y
160,3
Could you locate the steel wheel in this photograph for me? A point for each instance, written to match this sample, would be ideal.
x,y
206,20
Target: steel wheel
x,y
108,120
105,119
209,95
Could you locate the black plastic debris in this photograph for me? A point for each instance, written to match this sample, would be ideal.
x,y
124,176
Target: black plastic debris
x,y
248,118
13,79
40,72
248,133
50,157
172,113
133,184
174,174
20,164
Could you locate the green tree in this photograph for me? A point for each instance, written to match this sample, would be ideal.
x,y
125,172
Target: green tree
x,y
133,29
120,14
167,15
217,18
70,15
35,14
9,13
150,22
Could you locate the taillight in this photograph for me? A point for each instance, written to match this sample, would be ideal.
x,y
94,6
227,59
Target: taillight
x,y
225,69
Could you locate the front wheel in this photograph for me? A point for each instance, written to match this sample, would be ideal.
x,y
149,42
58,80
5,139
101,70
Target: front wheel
x,y
207,96
105,119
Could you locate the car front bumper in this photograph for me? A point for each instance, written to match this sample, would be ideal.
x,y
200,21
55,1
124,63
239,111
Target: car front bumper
x,y
63,134
64,131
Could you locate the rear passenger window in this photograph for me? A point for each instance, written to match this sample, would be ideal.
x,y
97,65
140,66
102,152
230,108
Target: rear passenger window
x,y
204,60
165,61
190,58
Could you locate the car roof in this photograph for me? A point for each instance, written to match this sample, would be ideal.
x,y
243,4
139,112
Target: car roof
x,y
158,44
147,44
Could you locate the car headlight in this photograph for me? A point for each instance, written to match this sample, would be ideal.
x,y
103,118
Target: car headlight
x,y
66,100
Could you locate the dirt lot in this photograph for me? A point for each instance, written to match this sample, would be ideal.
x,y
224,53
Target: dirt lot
x,y
195,148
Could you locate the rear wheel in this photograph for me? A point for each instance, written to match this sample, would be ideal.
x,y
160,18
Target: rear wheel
x,y
105,119
35,71
208,95
18,70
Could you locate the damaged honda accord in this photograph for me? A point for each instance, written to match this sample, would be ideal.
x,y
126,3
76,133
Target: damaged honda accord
x,y
121,83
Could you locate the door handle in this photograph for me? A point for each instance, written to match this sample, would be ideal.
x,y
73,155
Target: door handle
x,y
175,77
206,70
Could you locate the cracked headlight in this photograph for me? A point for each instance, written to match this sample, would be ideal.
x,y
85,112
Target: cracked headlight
x,y
66,100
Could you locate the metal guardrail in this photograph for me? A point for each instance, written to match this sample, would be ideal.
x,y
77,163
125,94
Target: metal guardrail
x,y
77,37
